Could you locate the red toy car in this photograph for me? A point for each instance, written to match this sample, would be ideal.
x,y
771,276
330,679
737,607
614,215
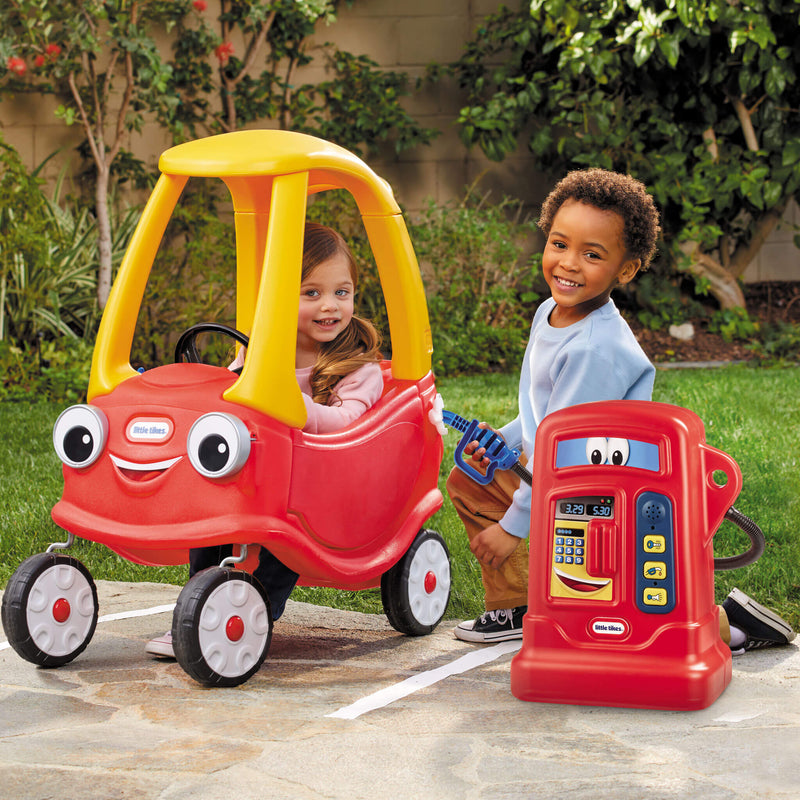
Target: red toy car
x,y
188,455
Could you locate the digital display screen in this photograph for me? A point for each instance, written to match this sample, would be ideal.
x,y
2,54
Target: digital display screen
x,y
587,507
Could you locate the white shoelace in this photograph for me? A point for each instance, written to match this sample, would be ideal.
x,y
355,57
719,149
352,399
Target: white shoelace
x,y
501,616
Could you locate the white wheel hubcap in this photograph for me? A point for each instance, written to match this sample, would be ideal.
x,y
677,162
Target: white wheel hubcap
x,y
233,628
60,610
429,582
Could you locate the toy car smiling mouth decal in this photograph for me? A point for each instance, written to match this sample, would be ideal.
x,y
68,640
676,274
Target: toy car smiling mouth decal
x,y
142,471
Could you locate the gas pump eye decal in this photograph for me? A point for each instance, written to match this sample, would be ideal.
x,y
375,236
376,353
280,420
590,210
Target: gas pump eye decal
x,y
611,452
618,452
596,450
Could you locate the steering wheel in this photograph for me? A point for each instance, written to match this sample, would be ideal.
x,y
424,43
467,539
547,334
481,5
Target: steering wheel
x,y
185,348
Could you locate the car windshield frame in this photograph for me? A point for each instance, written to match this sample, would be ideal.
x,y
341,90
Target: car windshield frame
x,y
270,175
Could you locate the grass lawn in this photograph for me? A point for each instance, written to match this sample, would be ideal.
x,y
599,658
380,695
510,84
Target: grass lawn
x,y
750,413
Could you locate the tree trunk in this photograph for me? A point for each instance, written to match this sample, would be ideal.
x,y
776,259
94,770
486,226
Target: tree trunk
x,y
722,284
103,237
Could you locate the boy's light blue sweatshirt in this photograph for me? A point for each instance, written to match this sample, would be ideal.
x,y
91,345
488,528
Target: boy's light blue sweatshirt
x,y
597,358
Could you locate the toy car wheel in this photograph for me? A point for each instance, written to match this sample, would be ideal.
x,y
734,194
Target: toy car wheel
x,y
50,609
416,590
222,627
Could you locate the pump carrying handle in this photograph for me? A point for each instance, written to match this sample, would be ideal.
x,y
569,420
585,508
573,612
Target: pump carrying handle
x,y
719,497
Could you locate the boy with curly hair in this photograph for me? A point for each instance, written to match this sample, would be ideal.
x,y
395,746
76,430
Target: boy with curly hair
x,y
601,230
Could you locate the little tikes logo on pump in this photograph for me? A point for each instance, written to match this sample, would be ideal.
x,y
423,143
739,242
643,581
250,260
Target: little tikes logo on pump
x,y
609,628
149,429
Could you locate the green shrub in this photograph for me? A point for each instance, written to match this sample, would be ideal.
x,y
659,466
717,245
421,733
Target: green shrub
x,y
48,310
733,323
480,277
779,341
193,277
55,369
48,259
659,299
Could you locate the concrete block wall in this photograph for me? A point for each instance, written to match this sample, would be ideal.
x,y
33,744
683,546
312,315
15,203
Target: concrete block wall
x,y
404,37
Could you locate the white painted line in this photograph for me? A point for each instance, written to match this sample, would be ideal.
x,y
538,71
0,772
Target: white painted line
x,y
383,697
139,612
738,716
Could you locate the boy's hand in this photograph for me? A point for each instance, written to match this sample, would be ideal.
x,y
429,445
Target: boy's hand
x,y
492,546
477,452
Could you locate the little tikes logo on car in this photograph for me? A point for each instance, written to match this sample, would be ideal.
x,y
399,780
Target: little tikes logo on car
x,y
149,429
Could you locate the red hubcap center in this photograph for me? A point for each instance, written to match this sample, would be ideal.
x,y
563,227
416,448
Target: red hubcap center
x,y
430,582
234,629
61,610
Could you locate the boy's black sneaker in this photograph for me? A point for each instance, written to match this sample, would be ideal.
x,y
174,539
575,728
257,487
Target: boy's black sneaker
x,y
764,628
493,626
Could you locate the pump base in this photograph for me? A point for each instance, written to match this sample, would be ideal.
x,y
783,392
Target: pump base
x,y
666,674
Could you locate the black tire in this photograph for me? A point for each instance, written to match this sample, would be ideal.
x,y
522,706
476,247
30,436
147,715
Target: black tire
x,y
50,609
222,627
416,590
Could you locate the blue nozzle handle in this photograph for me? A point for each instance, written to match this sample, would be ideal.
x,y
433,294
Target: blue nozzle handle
x,y
498,452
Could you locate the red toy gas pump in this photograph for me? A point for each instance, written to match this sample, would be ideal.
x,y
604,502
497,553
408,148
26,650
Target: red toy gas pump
x,y
627,497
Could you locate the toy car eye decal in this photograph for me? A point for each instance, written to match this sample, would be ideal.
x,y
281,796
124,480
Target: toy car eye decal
x,y
618,452
613,452
218,445
596,450
79,435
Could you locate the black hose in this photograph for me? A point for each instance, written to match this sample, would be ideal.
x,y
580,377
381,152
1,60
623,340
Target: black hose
x,y
756,542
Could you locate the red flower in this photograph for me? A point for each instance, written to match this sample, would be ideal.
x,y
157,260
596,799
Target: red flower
x,y
53,50
200,5
223,52
16,65
39,61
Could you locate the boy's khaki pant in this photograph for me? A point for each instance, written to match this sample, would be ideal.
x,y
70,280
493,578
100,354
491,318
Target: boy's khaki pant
x,y
478,507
